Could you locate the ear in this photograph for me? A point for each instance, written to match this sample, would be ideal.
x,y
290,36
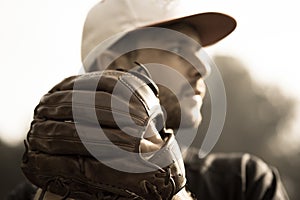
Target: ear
x,y
106,59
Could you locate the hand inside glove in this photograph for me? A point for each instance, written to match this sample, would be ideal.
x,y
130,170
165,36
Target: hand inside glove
x,y
101,135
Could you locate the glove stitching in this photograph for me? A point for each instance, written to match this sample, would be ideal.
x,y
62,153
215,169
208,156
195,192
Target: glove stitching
x,y
142,120
60,178
71,139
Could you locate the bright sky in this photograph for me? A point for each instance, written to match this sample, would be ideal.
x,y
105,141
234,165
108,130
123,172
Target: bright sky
x,y
40,45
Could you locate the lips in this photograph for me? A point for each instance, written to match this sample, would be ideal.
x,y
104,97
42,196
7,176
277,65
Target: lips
x,y
200,88
201,93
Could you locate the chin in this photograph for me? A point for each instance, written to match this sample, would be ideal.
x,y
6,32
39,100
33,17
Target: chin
x,y
187,118
191,120
187,121
191,112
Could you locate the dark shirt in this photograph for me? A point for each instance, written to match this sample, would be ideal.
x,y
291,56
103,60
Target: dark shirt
x,y
231,177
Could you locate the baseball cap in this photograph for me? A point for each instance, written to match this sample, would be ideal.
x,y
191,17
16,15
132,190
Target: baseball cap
x,y
118,17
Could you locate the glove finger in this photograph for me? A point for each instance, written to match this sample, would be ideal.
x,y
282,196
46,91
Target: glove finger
x,y
95,81
62,105
62,138
78,173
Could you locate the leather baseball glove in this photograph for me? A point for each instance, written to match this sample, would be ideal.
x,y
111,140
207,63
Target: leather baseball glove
x,y
101,136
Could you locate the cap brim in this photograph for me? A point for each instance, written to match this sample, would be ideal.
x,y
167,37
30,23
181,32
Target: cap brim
x,y
211,26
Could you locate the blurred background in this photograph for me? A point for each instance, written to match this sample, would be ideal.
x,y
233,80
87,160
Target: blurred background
x,y
40,45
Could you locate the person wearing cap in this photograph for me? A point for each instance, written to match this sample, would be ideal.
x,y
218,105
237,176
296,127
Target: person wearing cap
x,y
118,33
113,28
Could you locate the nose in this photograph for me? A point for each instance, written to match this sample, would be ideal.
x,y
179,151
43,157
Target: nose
x,y
194,73
205,62
196,77
201,88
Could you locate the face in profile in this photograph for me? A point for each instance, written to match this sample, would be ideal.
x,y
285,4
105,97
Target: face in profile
x,y
184,89
182,97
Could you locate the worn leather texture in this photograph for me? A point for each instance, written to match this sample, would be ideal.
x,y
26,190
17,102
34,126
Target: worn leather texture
x,y
57,158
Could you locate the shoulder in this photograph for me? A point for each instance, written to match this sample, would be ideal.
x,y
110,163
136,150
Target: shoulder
x,y
217,169
226,162
220,162
238,174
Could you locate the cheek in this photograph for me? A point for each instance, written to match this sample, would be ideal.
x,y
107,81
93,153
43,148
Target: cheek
x,y
174,61
169,101
167,97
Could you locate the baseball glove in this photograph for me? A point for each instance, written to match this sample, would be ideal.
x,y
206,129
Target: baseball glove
x,y
86,138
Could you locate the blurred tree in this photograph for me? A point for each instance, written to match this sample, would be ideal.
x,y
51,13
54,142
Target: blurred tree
x,y
255,113
10,171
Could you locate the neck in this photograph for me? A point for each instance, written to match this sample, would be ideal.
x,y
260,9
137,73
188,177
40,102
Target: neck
x,y
183,195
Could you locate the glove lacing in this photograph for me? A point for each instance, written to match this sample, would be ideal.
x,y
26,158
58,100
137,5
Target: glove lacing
x,y
149,188
58,181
